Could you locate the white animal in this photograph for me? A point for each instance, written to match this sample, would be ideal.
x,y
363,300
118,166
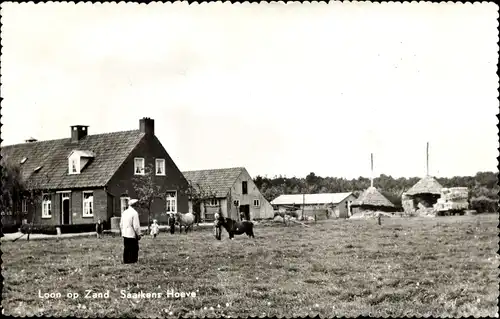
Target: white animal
x,y
186,220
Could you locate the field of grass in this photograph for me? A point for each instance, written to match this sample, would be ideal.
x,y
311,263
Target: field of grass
x,y
418,267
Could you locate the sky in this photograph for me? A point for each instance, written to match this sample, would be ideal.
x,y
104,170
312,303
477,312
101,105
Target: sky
x,y
281,89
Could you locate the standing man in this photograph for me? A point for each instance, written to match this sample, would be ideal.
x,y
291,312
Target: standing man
x,y
131,232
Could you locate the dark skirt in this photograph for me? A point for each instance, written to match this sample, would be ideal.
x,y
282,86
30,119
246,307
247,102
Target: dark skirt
x,y
130,250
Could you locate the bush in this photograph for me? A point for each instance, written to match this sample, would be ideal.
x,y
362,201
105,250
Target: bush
x,y
39,229
10,228
484,204
79,228
65,229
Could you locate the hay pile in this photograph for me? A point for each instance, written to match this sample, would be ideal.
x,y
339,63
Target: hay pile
x,y
455,198
408,205
427,185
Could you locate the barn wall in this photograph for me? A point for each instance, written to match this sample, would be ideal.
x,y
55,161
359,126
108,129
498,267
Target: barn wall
x,y
344,206
262,211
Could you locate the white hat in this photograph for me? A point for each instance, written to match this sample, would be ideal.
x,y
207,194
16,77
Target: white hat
x,y
132,201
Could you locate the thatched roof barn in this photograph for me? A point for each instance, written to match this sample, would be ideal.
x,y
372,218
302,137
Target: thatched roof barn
x,y
371,199
427,185
424,194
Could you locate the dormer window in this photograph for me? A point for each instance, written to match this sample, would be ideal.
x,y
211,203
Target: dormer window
x,y
37,169
77,160
24,160
74,165
73,168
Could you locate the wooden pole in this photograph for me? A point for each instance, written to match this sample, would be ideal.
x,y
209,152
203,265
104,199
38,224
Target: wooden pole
x,y
371,182
427,160
303,204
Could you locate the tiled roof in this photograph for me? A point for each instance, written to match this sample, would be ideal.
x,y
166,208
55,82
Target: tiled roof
x,y
218,181
427,185
372,197
110,151
310,199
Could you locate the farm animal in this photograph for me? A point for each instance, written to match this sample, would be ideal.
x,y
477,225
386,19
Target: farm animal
x,y
186,220
237,228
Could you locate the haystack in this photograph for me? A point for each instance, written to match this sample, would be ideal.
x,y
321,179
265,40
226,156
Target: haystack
x,y
421,198
427,185
371,203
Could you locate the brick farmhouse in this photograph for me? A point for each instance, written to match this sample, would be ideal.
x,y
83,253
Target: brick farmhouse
x,y
86,177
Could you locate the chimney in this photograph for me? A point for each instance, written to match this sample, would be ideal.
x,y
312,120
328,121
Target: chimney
x,y
78,132
147,125
31,140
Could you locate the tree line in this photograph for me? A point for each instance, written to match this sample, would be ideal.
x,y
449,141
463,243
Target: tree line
x,y
483,185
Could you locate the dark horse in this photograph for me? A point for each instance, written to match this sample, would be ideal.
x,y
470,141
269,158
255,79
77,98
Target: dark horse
x,y
236,228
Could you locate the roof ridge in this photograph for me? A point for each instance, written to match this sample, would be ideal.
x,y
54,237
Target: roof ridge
x,y
214,169
112,148
66,138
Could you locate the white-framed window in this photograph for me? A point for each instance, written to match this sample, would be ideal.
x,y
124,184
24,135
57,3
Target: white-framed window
x,y
46,206
171,202
139,166
160,166
24,206
124,203
73,167
88,204
256,202
213,202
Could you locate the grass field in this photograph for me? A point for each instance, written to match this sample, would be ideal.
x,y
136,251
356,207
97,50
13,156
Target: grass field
x,y
437,266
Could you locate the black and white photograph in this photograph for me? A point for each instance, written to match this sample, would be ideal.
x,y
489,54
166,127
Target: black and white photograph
x,y
267,159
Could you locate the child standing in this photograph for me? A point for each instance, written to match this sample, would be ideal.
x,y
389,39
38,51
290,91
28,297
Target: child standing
x,y
155,229
99,227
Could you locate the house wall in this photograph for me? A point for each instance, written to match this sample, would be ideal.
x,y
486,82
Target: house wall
x,y
264,210
100,208
121,183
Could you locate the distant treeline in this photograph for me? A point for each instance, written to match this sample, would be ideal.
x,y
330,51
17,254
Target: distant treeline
x,y
484,184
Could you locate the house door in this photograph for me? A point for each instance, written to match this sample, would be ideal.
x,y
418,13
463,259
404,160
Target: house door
x,y
65,214
245,209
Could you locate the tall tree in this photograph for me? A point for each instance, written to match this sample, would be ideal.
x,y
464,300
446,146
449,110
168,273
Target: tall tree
x,y
12,188
35,189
